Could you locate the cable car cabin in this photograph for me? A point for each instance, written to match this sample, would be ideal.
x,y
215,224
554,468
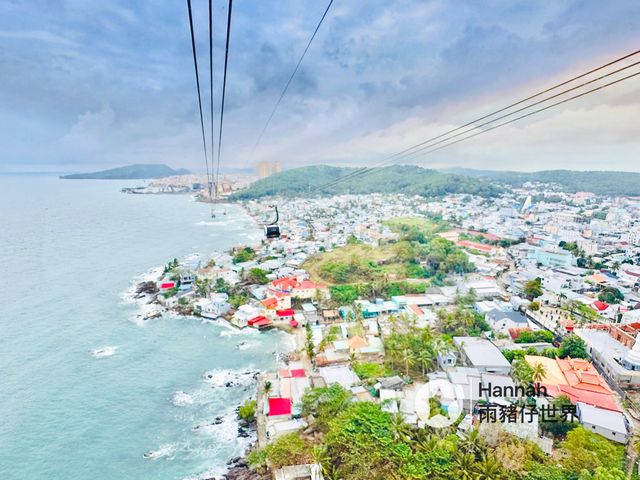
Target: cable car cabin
x,y
272,231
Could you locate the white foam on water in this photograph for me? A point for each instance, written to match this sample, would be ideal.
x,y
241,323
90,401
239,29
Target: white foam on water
x,y
164,451
181,399
230,378
104,351
233,332
130,295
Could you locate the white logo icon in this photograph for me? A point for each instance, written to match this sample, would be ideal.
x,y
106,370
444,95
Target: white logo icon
x,y
439,403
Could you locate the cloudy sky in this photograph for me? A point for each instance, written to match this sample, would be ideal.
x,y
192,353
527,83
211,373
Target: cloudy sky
x,y
86,84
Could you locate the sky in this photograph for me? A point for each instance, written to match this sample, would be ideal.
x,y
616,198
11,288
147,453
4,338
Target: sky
x,y
87,85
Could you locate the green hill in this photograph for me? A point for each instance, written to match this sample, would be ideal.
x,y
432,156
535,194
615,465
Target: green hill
x,y
129,172
598,182
410,180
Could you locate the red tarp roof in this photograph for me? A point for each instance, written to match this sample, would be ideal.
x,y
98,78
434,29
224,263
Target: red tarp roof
x,y
601,306
259,321
279,406
168,285
293,323
287,312
298,373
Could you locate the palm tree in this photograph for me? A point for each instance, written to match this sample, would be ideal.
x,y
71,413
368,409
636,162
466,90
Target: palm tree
x,y
408,359
267,388
425,360
538,372
392,350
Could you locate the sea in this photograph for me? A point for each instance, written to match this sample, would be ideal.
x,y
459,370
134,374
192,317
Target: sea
x,y
87,388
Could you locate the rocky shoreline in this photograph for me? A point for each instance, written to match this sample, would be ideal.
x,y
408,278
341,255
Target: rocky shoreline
x,y
239,470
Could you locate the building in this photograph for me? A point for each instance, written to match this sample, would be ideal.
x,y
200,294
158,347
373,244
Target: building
x,y
612,425
266,169
615,352
575,378
551,257
480,353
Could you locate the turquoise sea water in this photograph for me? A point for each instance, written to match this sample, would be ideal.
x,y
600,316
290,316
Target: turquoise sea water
x,y
68,251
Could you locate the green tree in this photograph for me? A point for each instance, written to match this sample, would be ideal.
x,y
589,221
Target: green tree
x,y
611,295
247,411
573,346
244,254
325,403
584,450
533,288
257,275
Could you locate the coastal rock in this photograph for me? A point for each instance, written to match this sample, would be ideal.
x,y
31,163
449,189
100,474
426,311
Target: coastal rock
x,y
147,288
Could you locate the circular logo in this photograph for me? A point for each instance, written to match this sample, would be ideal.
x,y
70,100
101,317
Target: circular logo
x,y
439,403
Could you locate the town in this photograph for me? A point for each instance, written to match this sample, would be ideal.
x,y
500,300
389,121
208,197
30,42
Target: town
x,y
526,303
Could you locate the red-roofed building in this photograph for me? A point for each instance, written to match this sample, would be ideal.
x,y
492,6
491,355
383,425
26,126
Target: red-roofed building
x,y
298,373
260,322
304,289
278,301
600,306
476,246
285,314
576,378
307,290
279,406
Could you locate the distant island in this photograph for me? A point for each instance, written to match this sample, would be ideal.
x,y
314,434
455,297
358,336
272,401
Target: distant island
x,y
407,179
129,172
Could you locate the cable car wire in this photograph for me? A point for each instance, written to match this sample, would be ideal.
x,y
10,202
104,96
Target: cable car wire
x,y
195,64
209,180
224,90
408,151
286,87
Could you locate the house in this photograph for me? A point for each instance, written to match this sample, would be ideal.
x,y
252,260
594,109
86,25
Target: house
x,y
612,425
285,314
575,378
308,290
551,257
279,407
260,322
340,374
480,353
615,351
216,307
244,313
186,280
502,321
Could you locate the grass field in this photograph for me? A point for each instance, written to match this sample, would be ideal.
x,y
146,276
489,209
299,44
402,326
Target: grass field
x,y
359,263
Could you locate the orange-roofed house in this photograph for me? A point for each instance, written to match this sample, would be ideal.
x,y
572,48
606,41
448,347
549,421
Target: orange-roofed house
x,y
283,285
577,379
277,302
356,343
481,247
307,290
